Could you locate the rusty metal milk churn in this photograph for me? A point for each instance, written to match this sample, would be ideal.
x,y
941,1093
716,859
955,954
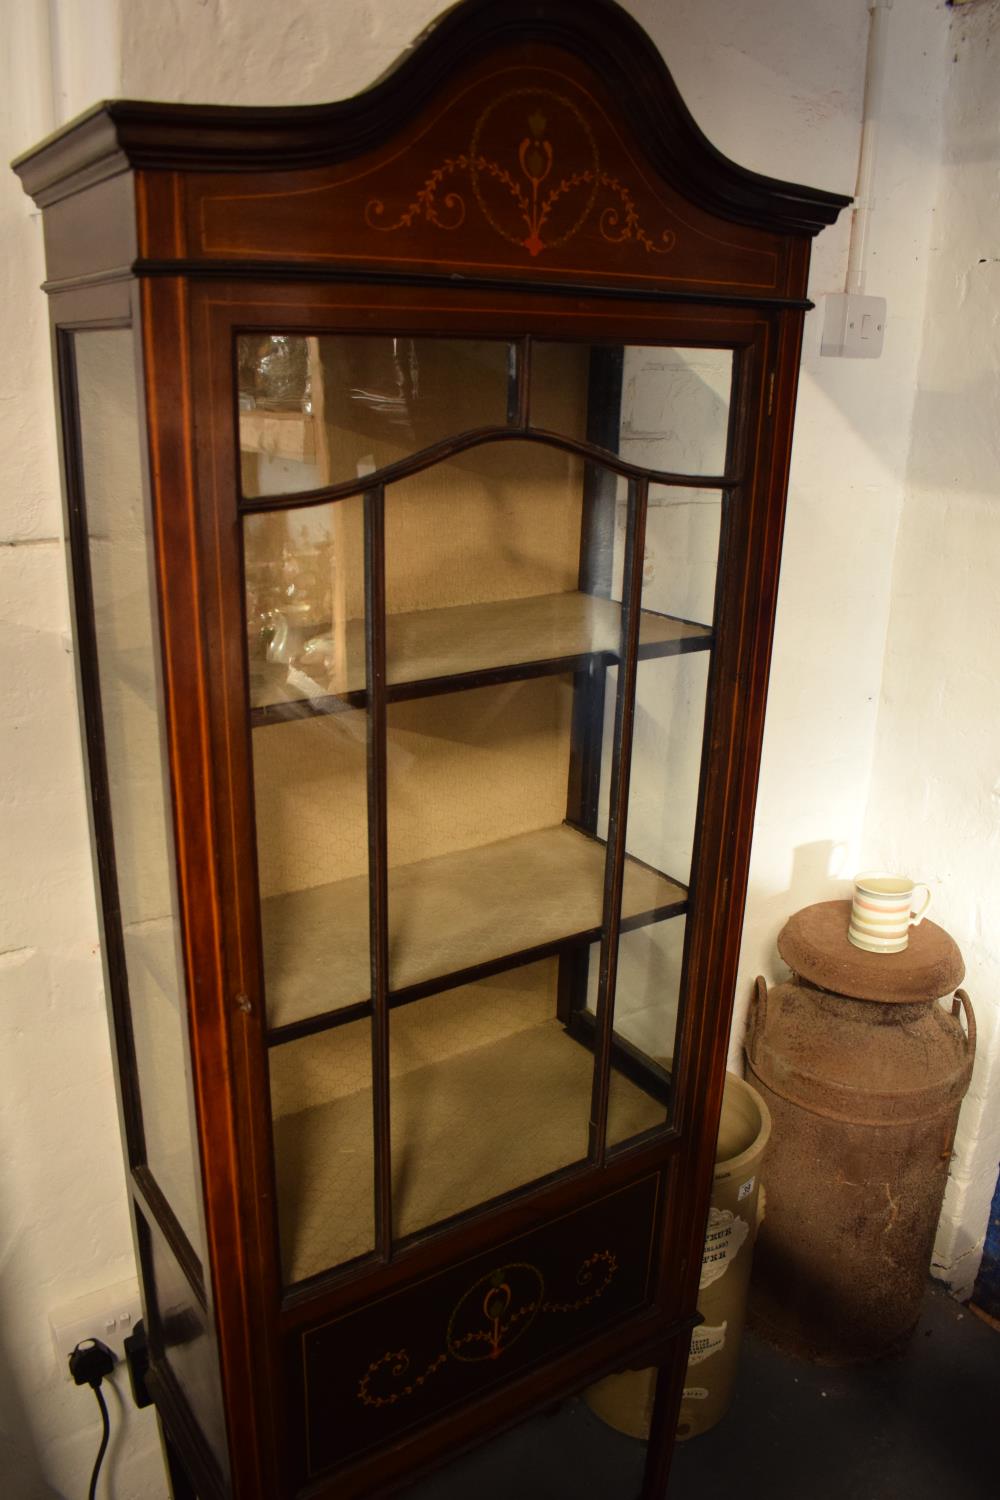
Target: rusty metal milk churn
x,y
863,1072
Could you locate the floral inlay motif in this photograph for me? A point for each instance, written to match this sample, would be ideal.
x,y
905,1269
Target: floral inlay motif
x,y
511,165
495,1312
487,1319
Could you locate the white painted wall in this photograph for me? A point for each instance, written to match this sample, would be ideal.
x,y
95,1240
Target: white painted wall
x,y
777,85
63,1217
845,498
934,808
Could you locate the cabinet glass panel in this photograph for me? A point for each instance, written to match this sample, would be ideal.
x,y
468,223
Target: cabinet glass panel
x,y
317,411
488,1094
491,862
321,1103
305,632
501,568
305,609
671,695
661,408
181,1334
305,612
126,636
481,865
665,410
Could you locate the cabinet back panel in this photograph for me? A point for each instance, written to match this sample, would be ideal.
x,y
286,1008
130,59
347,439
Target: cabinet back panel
x,y
464,769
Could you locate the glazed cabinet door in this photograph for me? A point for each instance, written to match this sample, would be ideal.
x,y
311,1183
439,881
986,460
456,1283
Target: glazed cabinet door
x,y
480,582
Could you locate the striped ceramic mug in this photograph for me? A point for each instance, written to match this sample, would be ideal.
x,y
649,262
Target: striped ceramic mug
x,y
882,912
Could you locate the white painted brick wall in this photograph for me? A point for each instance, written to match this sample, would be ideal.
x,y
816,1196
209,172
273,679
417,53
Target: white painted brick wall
x,y
845,496
935,797
776,84
63,1217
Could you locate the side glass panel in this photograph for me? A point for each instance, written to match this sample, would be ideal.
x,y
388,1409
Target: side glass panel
x,y
671,697
182,1334
126,634
665,410
316,411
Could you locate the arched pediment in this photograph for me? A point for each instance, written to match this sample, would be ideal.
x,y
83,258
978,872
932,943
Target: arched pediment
x,y
540,140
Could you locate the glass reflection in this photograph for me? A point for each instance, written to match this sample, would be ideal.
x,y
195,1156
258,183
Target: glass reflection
x,y
660,408
305,604
320,410
305,624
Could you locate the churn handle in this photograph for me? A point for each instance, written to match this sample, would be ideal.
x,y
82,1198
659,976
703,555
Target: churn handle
x,y
758,1015
970,1018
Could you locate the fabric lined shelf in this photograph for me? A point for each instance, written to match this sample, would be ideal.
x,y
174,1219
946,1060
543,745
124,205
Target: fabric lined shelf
x,y
441,650
487,1066
496,906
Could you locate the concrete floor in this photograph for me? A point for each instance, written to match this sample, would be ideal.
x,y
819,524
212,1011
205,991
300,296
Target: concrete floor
x,y
923,1426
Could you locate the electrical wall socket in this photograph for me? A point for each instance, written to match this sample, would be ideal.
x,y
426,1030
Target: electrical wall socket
x,y
109,1315
853,326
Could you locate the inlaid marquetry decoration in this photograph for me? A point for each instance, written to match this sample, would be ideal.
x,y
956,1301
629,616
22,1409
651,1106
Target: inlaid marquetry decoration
x,y
495,1312
487,1320
516,172
521,168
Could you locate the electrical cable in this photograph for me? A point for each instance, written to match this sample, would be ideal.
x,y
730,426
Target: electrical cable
x,y
88,1364
105,1437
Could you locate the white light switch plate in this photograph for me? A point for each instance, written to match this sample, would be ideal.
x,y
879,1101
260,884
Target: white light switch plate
x,y
853,326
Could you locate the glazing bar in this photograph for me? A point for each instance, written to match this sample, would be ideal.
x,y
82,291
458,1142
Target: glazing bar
x,y
614,864
378,859
477,437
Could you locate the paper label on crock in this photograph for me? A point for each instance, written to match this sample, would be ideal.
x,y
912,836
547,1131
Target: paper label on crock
x,y
746,1188
695,1393
706,1341
723,1238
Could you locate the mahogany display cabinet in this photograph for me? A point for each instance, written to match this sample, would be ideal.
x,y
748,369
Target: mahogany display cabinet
x,y
425,459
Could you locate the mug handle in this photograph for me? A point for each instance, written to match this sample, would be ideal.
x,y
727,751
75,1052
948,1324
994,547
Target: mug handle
x,y
916,917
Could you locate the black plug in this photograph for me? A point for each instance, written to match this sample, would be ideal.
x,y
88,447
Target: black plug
x,y
90,1362
137,1358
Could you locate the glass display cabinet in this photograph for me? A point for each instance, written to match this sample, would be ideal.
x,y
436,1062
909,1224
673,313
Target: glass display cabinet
x,y
425,459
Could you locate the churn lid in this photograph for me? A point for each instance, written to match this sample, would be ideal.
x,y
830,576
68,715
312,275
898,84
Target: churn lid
x,y
814,944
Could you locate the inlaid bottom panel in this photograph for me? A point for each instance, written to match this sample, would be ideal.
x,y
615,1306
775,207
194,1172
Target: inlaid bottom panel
x,y
407,1358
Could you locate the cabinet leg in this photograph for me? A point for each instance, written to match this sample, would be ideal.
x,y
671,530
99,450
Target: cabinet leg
x,y
663,1427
